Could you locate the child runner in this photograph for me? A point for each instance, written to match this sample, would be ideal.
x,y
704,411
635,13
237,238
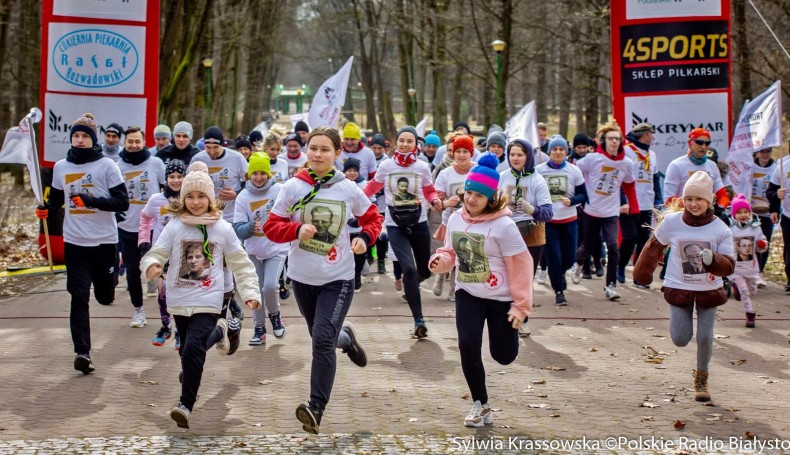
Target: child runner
x,y
90,233
311,213
407,180
748,239
484,244
153,219
701,253
567,191
252,210
351,169
143,174
199,235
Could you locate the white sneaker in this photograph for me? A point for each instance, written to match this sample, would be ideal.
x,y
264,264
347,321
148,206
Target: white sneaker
x,y
438,284
760,281
479,415
610,292
523,330
542,276
223,345
138,318
576,273
152,289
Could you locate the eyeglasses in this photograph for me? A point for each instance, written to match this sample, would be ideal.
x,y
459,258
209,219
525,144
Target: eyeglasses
x,y
612,138
701,142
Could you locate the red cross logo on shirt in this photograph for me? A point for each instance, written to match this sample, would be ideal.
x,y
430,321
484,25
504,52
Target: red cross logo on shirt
x,y
332,254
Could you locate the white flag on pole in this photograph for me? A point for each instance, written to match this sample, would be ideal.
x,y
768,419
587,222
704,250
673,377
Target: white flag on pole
x,y
421,127
329,99
262,127
759,127
524,125
296,118
18,149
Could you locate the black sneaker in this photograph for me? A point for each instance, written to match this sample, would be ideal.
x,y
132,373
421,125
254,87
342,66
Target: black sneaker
x,y
355,352
382,267
310,417
640,285
357,282
587,275
787,288
420,329
559,299
284,293
234,330
235,310
599,269
82,362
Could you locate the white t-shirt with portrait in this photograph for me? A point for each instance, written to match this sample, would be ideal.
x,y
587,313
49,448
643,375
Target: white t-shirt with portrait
x,y
327,256
561,182
744,242
603,178
86,226
280,170
645,167
251,206
451,183
293,164
142,182
480,249
226,171
761,178
533,188
783,181
679,171
685,269
156,208
367,161
403,185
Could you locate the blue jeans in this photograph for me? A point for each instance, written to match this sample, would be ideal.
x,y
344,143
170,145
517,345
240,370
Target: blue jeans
x,y
560,251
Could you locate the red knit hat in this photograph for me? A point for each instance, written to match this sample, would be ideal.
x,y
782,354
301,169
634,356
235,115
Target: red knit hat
x,y
697,133
464,142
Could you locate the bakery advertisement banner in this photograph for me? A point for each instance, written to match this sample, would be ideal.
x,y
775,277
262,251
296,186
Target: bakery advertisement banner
x,y
100,57
671,67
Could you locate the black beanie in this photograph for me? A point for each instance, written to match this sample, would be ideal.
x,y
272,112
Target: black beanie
x,y
256,136
351,163
293,137
243,141
580,139
462,124
114,128
301,126
175,165
407,129
213,135
378,139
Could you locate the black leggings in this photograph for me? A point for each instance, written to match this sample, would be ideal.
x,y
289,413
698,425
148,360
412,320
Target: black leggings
x,y
471,313
593,227
636,232
413,252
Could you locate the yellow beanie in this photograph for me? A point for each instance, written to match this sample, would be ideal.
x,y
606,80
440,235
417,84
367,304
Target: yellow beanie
x,y
351,131
259,162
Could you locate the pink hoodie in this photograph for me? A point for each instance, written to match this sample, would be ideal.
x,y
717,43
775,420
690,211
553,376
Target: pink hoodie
x,y
519,267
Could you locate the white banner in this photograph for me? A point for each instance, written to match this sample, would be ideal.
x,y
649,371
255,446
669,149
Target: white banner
x,y
651,9
18,149
90,58
63,109
262,127
674,116
329,99
296,118
421,127
125,10
524,125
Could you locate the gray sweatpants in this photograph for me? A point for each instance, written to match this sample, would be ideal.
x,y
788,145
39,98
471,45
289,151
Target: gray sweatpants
x,y
681,328
268,278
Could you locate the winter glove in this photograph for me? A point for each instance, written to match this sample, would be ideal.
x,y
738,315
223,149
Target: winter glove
x,y
762,245
42,212
78,201
523,206
144,247
353,222
120,217
707,256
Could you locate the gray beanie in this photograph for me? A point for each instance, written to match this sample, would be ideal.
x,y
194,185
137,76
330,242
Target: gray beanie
x,y
496,137
184,128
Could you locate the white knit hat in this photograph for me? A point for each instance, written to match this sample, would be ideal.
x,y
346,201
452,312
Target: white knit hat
x,y
699,185
197,180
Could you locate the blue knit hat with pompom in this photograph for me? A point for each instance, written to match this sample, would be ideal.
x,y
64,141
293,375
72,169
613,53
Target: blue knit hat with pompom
x,y
484,177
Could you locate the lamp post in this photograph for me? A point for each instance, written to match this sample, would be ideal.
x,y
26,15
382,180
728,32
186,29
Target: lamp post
x,y
498,46
412,114
207,63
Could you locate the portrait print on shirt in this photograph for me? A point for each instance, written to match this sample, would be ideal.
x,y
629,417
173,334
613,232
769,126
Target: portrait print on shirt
x,y
328,217
220,176
457,189
513,196
473,264
691,261
744,248
195,267
76,185
608,181
138,185
404,187
558,186
643,176
260,213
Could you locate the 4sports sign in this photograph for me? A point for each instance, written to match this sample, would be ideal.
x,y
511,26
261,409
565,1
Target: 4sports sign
x,y
671,66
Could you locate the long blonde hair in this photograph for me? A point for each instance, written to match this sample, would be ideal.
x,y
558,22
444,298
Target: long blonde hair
x,y
274,136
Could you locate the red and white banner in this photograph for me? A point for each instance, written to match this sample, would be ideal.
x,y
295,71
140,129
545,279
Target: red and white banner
x,y
100,57
671,67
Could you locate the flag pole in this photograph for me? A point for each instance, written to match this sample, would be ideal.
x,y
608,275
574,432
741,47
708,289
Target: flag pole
x,y
30,118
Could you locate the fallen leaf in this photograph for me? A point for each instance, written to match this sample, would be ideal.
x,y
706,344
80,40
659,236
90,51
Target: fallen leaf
x,y
265,382
713,417
647,404
762,377
413,419
392,390
465,397
496,410
152,405
376,308
554,415
750,435
593,350
554,368
149,382
669,400
439,407
709,404
650,328
720,337
542,381
257,424
501,372
655,360
679,425
771,381
503,426
738,361
538,406
558,323
542,395
733,409
363,394
650,418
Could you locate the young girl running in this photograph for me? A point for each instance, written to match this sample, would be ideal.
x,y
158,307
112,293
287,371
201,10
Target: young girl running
x,y
483,242
748,239
153,219
700,254
311,213
406,180
197,304
252,210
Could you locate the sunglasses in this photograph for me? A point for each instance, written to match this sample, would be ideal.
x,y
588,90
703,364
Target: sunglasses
x,y
701,142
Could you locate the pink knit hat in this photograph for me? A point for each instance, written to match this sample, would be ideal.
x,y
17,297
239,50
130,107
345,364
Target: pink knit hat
x,y
740,202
